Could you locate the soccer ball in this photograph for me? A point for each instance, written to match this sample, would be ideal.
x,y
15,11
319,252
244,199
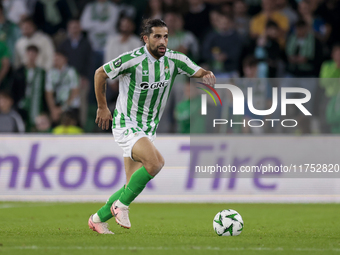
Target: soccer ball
x,y
228,223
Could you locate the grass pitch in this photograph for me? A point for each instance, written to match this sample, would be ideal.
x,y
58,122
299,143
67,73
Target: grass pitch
x,y
61,228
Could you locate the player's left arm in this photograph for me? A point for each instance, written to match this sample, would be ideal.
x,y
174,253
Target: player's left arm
x,y
187,66
207,76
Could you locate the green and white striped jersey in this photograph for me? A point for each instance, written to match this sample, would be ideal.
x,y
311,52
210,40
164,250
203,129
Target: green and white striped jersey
x,y
144,86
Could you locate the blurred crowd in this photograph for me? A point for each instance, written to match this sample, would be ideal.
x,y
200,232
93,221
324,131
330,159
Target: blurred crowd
x,y
50,49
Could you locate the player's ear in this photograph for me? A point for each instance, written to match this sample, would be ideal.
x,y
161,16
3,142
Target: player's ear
x,y
145,38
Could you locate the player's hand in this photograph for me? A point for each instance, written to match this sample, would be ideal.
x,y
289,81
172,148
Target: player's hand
x,y
209,78
103,118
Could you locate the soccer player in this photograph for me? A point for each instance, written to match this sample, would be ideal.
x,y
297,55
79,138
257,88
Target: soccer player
x,y
146,76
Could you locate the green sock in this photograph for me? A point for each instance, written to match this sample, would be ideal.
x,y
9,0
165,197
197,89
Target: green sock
x,y
137,183
104,213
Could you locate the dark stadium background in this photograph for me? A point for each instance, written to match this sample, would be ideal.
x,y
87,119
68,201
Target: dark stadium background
x,y
278,38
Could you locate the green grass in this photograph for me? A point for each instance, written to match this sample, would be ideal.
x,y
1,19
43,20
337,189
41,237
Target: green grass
x,y
61,228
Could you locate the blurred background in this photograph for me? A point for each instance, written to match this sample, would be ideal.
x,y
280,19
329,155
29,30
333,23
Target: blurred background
x,y
50,49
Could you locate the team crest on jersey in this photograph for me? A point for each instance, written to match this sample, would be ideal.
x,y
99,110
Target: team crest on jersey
x,y
155,85
166,69
118,63
145,72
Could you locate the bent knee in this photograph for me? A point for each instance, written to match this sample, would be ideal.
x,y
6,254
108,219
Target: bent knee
x,y
154,166
161,162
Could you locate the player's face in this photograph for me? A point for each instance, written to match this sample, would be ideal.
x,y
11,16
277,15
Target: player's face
x,y
157,41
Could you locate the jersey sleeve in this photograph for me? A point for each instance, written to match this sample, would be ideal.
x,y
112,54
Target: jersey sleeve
x,y
123,63
184,64
114,67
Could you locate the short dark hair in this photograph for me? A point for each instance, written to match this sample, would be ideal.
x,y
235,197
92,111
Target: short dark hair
x,y
300,24
250,61
27,20
148,24
6,94
61,52
32,48
336,46
124,16
272,23
74,19
229,16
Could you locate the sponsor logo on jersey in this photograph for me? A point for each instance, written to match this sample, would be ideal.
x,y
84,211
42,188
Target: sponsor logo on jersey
x,y
155,85
111,66
118,63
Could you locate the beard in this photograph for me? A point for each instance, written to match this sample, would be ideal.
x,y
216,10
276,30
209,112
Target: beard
x,y
157,53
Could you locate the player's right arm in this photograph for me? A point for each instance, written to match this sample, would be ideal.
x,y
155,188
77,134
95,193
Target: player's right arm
x,y
103,113
112,69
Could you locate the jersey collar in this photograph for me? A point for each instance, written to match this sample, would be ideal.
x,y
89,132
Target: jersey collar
x,y
148,54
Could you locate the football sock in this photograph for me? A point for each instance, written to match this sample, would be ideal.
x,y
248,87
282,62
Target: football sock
x,y
104,213
120,204
137,183
96,218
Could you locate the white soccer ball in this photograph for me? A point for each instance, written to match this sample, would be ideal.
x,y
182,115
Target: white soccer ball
x,y
228,223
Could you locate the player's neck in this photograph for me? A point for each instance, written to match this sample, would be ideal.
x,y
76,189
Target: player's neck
x,y
147,48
